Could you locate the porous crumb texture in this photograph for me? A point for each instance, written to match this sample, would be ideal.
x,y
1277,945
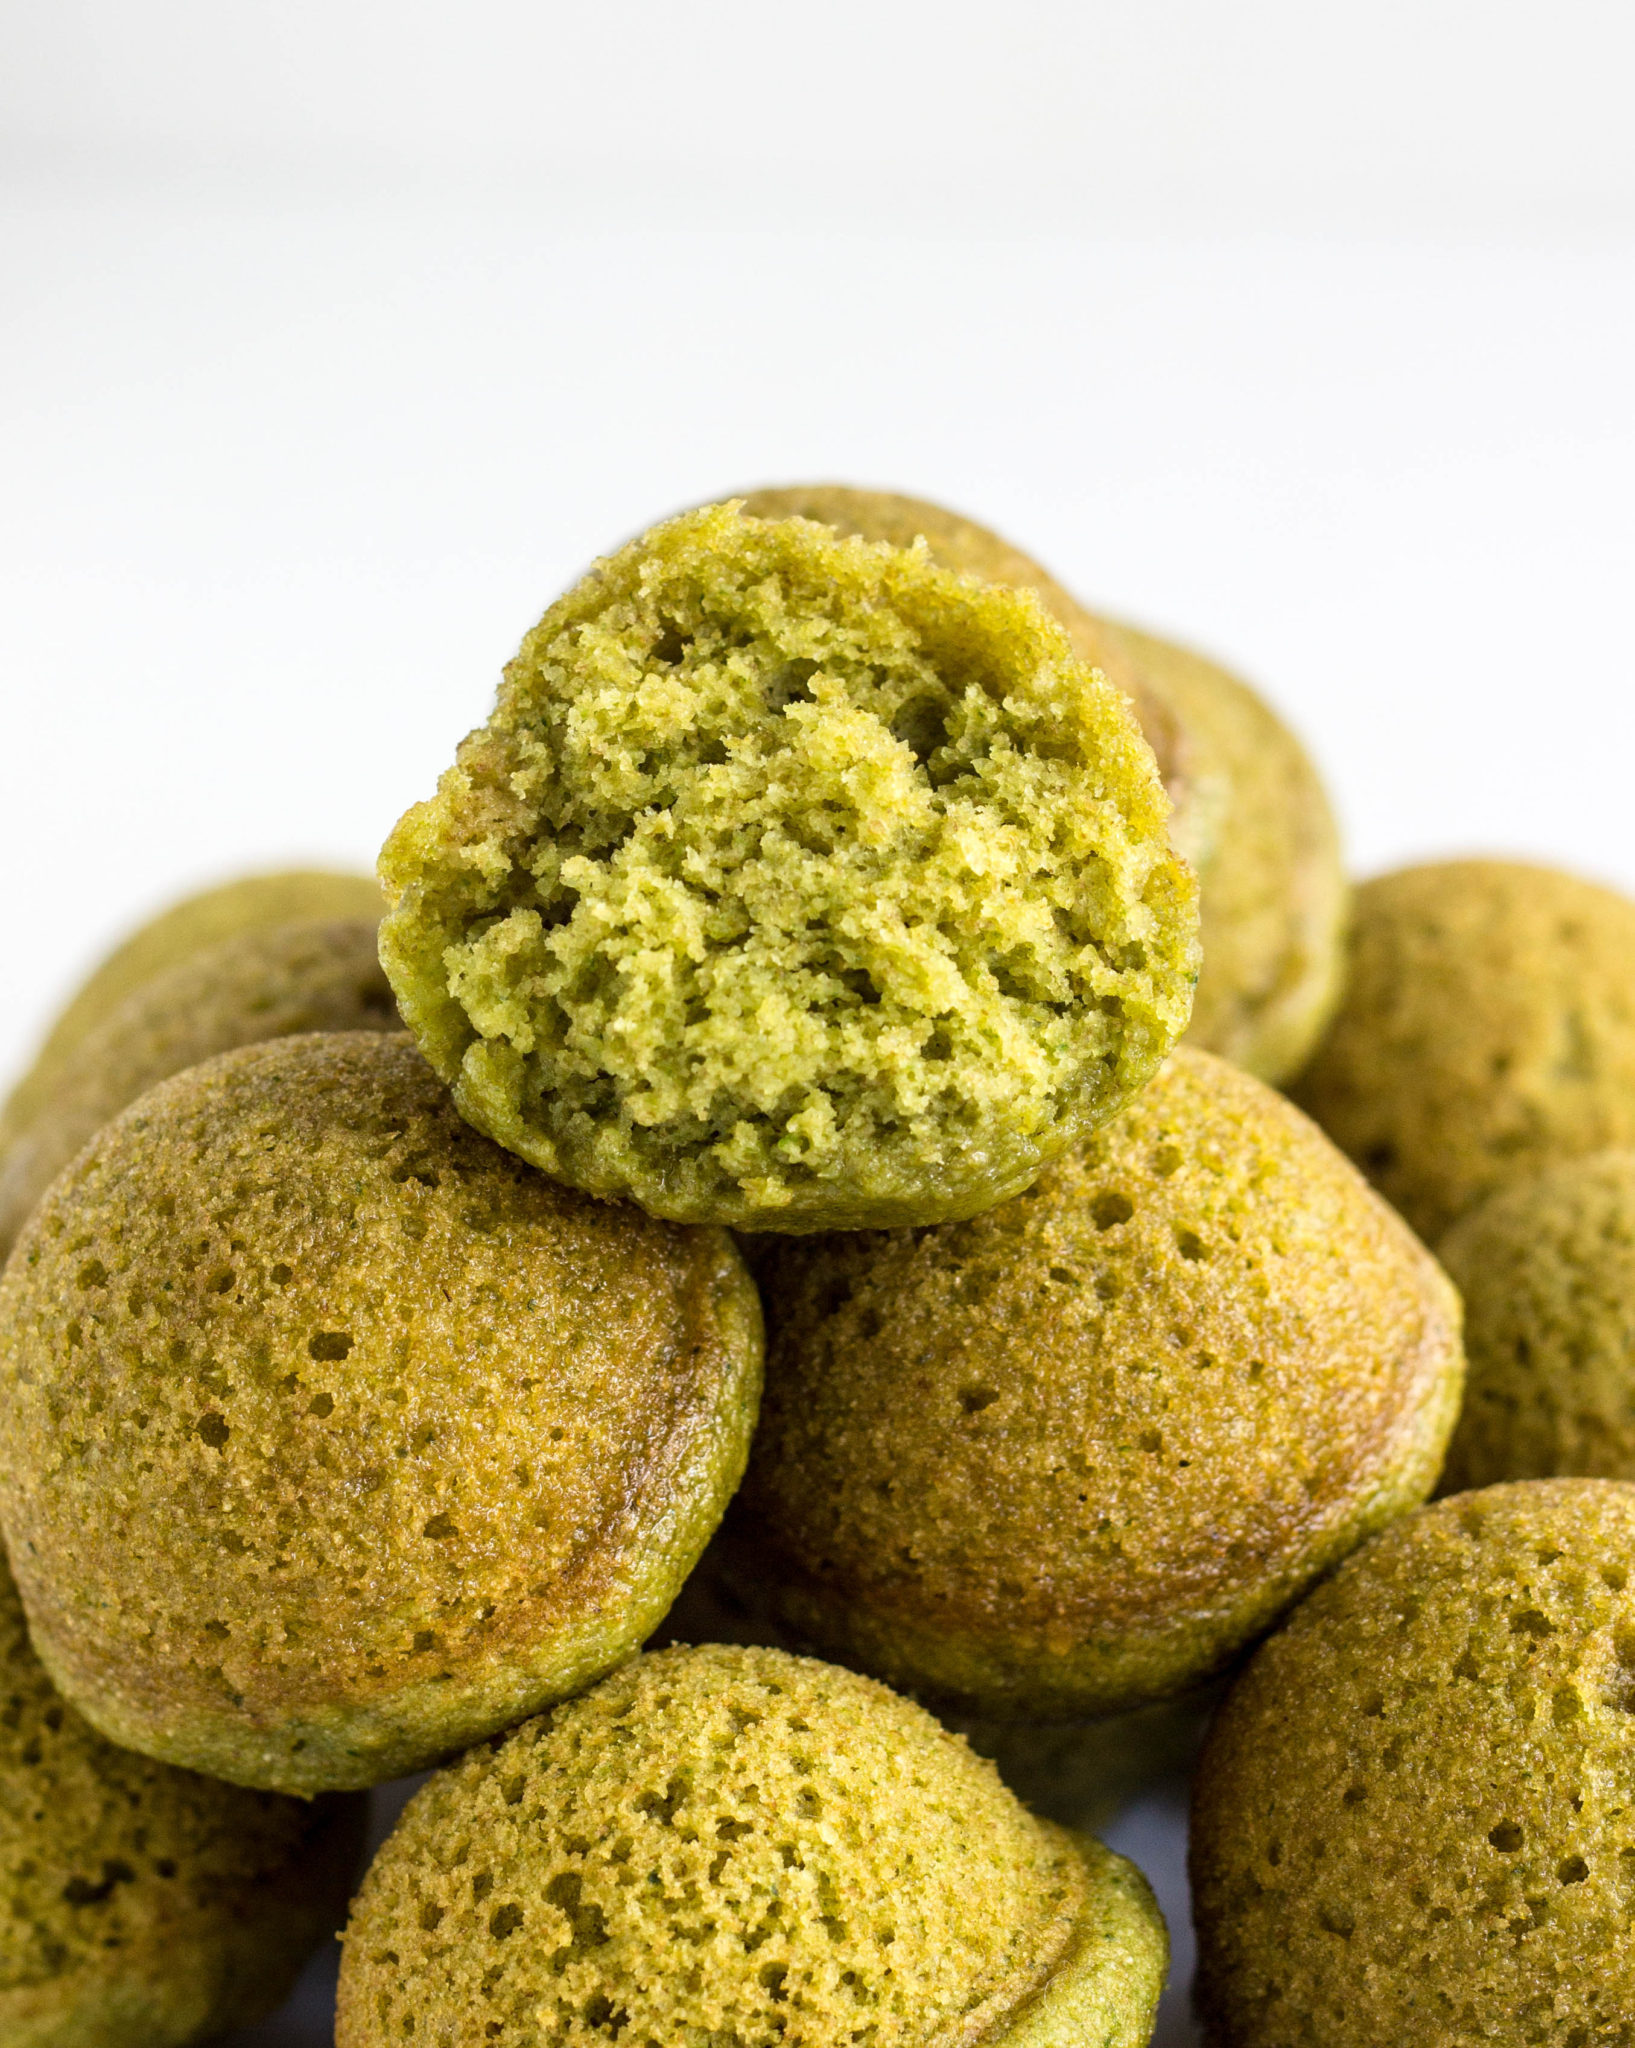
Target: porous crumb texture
x,y
259,984
794,882
1272,889
960,544
252,902
1073,1455
333,1437
1414,1818
727,1848
1487,1030
144,1904
1546,1266
1251,814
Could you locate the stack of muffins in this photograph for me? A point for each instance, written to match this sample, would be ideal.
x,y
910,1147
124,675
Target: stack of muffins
x,y
820,1359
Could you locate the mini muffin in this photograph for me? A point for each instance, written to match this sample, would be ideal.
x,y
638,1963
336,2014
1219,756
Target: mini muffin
x,y
731,1844
334,1438
1073,1456
252,903
1411,1821
1251,813
1272,890
794,883
1487,1031
143,1904
1547,1269
258,984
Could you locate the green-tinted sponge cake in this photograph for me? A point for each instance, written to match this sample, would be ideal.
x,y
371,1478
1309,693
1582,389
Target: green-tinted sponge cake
x,y
144,1904
1487,1030
1251,813
1411,1822
1546,1265
794,883
258,984
334,1438
732,1845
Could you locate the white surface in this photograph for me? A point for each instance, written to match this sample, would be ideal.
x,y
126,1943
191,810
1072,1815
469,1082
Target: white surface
x,y
338,336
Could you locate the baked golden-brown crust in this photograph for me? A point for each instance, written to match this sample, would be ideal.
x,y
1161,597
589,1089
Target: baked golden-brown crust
x,y
1487,1029
730,1844
1411,1823
1272,891
1076,1453
261,983
145,1904
1546,1265
334,1437
251,903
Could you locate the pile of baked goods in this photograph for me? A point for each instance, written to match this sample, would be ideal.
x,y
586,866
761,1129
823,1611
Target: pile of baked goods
x,y
821,1359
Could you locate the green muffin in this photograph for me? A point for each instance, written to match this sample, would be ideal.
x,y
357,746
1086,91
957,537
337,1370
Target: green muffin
x,y
1251,813
143,1904
1487,1031
735,1845
1546,1266
794,883
252,903
1411,1823
1073,1456
1272,891
333,1438
259,984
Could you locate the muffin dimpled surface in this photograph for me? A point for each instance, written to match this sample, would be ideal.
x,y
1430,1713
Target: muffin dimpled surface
x,y
736,1845
251,903
145,1904
1546,1265
1412,1820
258,984
794,882
1487,1030
334,1437
1073,1454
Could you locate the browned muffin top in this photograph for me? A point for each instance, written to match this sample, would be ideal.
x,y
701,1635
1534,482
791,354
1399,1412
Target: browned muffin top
x,y
257,984
321,1407
736,1845
1074,1452
1412,1822
1487,1029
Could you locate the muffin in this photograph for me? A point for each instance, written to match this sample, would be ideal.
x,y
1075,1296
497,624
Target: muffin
x,y
731,1844
1251,813
253,902
1411,1821
794,884
1272,890
261,983
333,1437
144,1904
1487,1031
1074,1455
1546,1266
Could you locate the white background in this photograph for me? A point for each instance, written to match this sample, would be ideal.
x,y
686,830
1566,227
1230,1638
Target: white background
x,y
337,337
